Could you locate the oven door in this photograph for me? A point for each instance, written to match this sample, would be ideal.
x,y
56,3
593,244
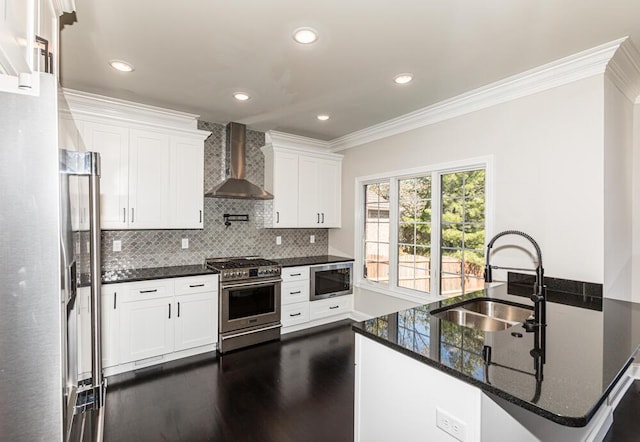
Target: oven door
x,y
331,280
249,304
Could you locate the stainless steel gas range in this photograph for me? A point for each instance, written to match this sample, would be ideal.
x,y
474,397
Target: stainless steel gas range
x,y
249,301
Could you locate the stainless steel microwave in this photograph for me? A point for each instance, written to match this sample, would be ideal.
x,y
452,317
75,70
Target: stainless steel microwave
x,y
331,280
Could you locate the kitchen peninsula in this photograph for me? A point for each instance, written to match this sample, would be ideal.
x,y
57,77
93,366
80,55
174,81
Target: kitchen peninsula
x,y
440,376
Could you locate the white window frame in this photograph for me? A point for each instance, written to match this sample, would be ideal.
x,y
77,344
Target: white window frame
x,y
435,170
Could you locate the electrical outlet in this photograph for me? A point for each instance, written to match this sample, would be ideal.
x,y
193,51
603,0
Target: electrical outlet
x,y
185,243
117,245
278,240
312,239
451,425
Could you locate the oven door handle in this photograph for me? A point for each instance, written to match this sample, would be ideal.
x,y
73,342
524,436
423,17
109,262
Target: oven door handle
x,y
252,284
250,332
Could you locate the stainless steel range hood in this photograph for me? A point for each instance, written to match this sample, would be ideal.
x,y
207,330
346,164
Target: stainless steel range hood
x,y
236,186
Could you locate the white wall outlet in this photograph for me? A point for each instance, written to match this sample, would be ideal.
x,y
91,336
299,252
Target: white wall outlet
x,y
451,425
185,243
312,239
117,245
278,240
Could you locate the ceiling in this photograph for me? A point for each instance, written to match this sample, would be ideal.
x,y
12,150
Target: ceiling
x,y
194,54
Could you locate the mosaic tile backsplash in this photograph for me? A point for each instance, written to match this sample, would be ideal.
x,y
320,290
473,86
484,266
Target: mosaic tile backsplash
x,y
161,248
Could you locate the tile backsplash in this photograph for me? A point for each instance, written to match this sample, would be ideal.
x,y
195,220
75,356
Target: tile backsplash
x,y
161,248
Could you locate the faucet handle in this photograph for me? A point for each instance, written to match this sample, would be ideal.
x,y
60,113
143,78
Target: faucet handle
x,y
536,297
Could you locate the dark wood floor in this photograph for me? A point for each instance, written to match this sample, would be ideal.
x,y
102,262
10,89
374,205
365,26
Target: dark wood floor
x,y
300,389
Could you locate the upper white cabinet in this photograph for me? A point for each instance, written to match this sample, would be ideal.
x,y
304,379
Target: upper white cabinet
x,y
25,26
305,182
152,162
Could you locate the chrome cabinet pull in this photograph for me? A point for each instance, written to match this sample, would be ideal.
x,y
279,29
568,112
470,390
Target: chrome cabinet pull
x,y
149,291
318,222
277,217
294,314
124,214
201,216
132,213
322,217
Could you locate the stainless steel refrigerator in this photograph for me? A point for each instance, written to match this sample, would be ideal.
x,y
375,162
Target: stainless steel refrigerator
x,y
40,397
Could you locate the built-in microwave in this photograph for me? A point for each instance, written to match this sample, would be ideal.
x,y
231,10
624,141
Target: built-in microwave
x,y
330,280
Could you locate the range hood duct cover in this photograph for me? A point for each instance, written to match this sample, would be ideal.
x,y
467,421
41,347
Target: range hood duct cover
x,y
236,186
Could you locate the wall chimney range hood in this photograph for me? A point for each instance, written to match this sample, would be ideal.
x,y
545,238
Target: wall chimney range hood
x,y
236,186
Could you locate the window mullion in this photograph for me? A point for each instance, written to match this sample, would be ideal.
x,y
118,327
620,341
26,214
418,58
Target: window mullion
x,y
436,230
394,221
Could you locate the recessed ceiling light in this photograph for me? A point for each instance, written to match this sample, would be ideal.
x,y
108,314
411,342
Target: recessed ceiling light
x,y
121,65
241,96
323,117
305,36
403,78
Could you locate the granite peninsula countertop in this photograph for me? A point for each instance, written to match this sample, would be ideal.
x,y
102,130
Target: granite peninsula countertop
x,y
587,351
311,260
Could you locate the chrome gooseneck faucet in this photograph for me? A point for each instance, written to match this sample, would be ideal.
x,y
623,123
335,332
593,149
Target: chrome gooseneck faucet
x,y
539,296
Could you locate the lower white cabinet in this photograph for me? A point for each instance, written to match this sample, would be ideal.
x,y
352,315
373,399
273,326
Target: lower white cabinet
x,y
298,312
162,319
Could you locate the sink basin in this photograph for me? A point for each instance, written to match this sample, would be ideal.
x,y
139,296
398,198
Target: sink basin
x,y
469,319
486,315
498,310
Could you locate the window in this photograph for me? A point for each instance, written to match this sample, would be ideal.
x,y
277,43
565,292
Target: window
x,y
425,232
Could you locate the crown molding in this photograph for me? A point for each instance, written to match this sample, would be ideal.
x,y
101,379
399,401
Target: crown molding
x,y
624,70
557,73
62,6
283,139
84,104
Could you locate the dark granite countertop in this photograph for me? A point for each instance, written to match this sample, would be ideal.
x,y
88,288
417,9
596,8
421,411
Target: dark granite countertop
x,y
131,275
310,260
587,350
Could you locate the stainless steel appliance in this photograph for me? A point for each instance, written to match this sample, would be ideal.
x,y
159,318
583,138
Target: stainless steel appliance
x,y
37,274
330,280
249,301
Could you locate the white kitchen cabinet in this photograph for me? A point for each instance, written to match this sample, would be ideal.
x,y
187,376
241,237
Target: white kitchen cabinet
x,y
330,307
281,179
186,177
319,186
295,314
150,322
152,162
148,179
306,187
146,329
196,320
112,142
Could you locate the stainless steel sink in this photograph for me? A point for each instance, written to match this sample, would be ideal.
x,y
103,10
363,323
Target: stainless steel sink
x,y
486,315
498,310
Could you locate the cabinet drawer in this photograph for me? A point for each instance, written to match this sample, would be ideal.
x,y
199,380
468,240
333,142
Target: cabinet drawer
x,y
295,274
296,291
196,284
330,307
138,291
293,314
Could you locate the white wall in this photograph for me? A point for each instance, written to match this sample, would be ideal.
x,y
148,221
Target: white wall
x,y
548,173
636,204
618,167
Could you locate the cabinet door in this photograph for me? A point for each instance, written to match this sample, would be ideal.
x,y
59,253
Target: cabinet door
x,y
186,183
308,207
112,142
148,180
285,190
146,328
329,184
196,321
111,297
